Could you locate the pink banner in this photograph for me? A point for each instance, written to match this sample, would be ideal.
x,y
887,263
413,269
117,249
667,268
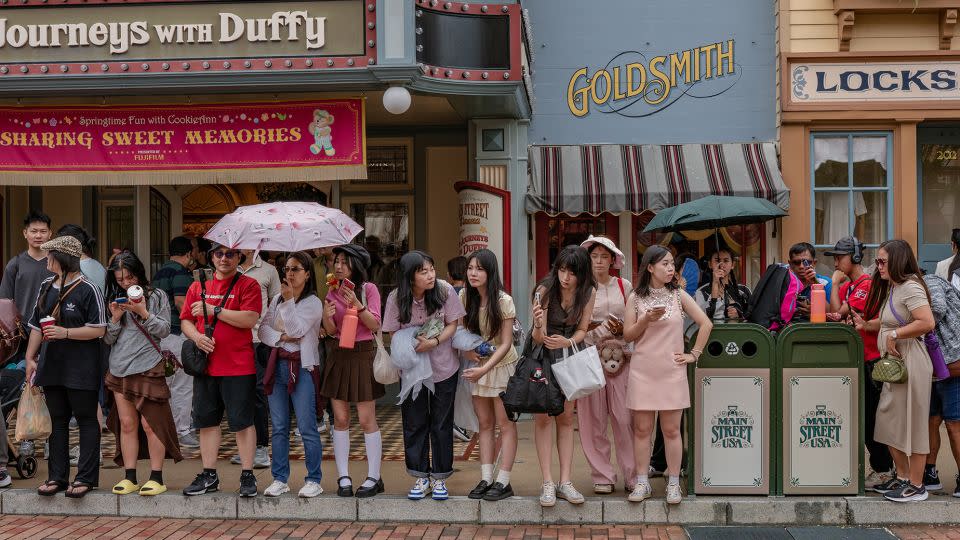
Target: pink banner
x,y
319,133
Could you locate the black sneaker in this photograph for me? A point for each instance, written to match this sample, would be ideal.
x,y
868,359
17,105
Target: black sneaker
x,y
892,484
461,434
498,492
908,493
248,485
480,490
931,478
203,483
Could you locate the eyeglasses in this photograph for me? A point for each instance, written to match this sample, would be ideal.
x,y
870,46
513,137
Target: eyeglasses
x,y
225,254
294,269
880,262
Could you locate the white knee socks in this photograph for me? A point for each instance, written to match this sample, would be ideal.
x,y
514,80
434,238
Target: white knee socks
x,y
374,446
341,452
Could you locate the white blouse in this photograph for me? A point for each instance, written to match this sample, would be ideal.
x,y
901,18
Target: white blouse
x,y
298,320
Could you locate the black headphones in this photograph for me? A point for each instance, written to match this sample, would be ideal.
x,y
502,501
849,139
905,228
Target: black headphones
x,y
857,256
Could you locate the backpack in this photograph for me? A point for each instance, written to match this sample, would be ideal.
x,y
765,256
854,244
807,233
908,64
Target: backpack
x,y
774,301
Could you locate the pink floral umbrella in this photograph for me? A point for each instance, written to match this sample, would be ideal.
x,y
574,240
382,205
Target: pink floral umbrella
x,y
284,226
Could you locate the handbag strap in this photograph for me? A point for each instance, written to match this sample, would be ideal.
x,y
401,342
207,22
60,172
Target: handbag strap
x,y
223,302
623,292
146,334
894,310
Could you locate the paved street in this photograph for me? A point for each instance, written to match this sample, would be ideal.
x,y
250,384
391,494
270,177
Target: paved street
x,y
41,527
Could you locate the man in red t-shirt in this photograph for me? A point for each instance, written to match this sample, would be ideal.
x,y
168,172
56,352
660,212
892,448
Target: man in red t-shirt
x,y
851,286
230,383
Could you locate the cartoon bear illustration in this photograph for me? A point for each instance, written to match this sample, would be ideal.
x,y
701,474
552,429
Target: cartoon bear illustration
x,y
320,128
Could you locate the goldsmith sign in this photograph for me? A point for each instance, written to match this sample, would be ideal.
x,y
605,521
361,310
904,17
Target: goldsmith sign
x,y
255,29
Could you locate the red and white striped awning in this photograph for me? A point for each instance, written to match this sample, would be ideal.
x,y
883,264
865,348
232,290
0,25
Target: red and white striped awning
x,y
633,178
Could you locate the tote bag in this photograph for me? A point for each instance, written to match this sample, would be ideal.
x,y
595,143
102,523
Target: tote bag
x,y
384,372
580,374
533,387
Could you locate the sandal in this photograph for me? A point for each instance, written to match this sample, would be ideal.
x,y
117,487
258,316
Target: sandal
x,y
79,490
45,490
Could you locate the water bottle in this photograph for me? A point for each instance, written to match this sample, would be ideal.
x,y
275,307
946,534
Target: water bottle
x,y
818,303
348,329
485,349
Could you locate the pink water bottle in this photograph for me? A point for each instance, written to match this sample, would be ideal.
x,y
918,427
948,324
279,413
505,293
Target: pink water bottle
x,y
818,303
348,329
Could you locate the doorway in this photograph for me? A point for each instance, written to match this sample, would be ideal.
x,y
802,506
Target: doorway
x,y
938,192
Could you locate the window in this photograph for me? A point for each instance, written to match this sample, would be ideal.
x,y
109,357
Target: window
x,y
389,165
387,228
118,228
852,184
159,230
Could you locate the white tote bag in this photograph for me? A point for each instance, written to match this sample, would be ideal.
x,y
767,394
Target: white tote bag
x,y
580,374
384,372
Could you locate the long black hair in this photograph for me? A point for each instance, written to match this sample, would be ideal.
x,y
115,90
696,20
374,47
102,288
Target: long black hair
x,y
488,261
126,260
354,255
411,263
306,261
652,255
955,264
574,259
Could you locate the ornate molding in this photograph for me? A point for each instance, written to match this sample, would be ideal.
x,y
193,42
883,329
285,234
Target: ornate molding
x,y
948,26
845,20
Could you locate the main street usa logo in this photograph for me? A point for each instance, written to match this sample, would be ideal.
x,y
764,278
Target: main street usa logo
x,y
820,428
732,428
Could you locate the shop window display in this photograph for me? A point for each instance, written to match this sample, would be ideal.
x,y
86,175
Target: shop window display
x,y
940,165
386,235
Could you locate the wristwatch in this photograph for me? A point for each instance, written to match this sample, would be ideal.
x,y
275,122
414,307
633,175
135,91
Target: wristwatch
x,y
894,335
217,310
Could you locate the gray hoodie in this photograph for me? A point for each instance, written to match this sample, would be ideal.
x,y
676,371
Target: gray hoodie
x,y
131,352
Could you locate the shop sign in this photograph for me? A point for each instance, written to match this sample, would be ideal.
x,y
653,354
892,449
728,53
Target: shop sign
x,y
187,30
320,133
821,431
874,81
694,72
484,222
732,442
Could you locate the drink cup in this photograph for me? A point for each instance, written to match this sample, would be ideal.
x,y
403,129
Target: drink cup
x,y
135,294
46,321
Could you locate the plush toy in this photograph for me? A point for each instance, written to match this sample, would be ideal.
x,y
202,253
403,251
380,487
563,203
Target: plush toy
x,y
332,282
611,357
320,129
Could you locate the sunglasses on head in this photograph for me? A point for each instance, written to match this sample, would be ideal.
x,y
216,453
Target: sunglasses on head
x,y
226,254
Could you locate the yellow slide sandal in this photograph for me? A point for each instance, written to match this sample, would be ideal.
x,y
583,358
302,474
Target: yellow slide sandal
x,y
152,488
124,487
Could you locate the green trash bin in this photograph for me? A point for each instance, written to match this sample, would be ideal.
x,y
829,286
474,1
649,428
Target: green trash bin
x,y
821,410
729,439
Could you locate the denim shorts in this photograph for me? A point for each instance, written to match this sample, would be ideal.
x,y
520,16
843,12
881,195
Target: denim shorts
x,y
945,399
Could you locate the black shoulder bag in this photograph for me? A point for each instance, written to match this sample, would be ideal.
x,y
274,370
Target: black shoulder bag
x,y
532,388
194,360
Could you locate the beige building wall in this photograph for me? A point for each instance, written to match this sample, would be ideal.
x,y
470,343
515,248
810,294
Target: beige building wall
x,y
445,165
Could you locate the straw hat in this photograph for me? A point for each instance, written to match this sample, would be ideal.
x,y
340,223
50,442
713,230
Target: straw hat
x,y
607,243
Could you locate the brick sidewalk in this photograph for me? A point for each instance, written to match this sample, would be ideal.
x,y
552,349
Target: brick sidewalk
x,y
926,532
186,529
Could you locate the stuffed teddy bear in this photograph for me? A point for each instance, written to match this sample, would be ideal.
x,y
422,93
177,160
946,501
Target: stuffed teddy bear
x,y
611,357
320,129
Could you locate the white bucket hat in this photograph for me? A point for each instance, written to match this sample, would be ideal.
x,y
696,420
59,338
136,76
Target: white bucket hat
x,y
607,243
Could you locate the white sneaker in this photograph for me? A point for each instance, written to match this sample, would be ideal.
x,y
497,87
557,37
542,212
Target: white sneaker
x,y
322,426
310,490
440,492
261,458
419,490
640,492
548,494
876,478
569,493
674,494
276,489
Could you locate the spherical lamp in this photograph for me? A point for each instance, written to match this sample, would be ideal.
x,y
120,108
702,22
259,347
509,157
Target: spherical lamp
x,y
396,100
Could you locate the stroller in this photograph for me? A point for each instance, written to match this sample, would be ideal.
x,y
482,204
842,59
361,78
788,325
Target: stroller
x,y
11,386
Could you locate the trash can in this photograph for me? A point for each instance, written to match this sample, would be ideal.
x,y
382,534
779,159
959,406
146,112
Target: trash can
x,y
732,390
821,410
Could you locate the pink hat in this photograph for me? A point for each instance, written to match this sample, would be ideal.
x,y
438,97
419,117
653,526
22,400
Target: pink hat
x,y
607,243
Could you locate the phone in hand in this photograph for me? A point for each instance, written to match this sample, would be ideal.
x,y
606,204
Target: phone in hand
x,y
536,298
203,274
658,306
345,282
806,263
121,300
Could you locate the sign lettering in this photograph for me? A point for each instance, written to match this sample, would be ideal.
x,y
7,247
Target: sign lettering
x,y
879,81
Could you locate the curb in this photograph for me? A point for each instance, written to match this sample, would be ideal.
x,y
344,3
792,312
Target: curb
x,y
840,511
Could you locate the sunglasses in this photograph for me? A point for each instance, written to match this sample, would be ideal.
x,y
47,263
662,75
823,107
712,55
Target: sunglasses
x,y
880,262
294,269
226,254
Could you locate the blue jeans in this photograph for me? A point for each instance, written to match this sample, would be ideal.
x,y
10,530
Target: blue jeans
x,y
305,406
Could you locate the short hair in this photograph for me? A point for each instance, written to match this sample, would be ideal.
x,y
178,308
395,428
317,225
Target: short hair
x,y
800,247
35,216
179,246
204,245
457,268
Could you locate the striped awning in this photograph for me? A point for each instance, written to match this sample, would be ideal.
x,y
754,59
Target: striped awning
x,y
633,178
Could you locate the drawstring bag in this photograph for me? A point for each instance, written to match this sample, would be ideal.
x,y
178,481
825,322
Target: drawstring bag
x,y
33,418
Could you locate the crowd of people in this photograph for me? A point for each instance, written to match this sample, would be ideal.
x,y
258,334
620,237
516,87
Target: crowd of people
x,y
111,339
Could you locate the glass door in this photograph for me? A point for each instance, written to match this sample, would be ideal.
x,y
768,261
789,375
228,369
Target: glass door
x,y
939,192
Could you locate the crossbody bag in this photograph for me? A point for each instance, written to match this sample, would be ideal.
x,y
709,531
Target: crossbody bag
x,y
195,361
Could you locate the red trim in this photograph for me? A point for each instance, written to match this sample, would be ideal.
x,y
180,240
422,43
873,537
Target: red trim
x,y
542,236
507,262
542,243
193,65
515,73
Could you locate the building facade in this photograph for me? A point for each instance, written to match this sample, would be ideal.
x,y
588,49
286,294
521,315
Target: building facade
x,y
869,122
142,120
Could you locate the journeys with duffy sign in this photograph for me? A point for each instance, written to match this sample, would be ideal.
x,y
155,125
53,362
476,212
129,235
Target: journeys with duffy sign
x,y
485,222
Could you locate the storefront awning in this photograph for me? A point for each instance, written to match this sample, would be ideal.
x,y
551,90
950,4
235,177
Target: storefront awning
x,y
633,178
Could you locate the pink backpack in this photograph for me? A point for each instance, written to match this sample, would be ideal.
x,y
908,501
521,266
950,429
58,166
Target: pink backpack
x,y
774,301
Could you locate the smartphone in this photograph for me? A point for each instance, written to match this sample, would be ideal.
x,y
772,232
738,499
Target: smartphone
x,y
536,298
347,284
121,300
658,306
203,274
806,263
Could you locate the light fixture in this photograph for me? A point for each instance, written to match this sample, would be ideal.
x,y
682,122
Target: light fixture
x,y
396,100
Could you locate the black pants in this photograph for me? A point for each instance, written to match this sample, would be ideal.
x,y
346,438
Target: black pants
x,y
658,459
428,425
63,403
261,410
880,459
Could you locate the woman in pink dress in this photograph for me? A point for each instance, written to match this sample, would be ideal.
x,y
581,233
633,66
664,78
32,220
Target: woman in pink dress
x,y
653,322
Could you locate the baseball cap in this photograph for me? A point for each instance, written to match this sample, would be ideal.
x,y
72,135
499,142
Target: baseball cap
x,y
846,246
